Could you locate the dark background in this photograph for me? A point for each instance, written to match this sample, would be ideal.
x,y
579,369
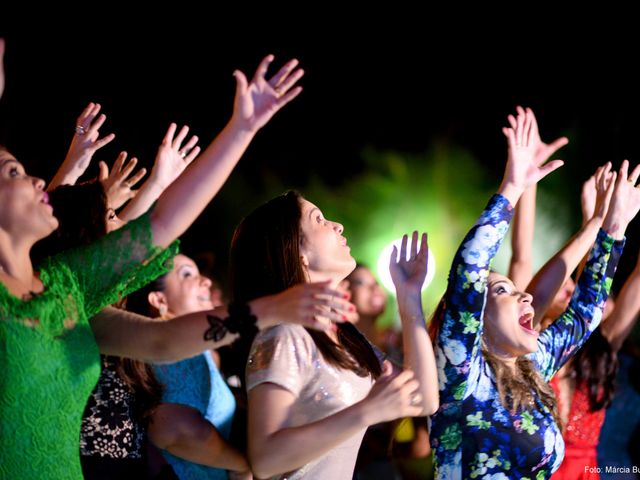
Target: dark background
x,y
399,81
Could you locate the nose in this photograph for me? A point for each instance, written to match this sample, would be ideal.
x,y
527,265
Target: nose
x,y
38,183
206,281
338,227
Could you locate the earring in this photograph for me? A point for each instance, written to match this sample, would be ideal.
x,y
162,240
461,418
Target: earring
x,y
163,310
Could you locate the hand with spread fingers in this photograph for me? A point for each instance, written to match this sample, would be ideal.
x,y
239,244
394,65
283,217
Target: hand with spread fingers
x,y
625,202
542,151
118,187
523,169
171,161
409,274
85,143
315,305
173,157
258,101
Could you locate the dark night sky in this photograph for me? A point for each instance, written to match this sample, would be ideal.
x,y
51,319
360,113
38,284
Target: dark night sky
x,y
398,82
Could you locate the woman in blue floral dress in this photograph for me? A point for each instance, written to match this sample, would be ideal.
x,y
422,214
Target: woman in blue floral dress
x,y
497,418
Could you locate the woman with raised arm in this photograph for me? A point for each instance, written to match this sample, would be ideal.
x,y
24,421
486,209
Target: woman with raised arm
x,y
49,356
584,386
311,394
524,218
498,417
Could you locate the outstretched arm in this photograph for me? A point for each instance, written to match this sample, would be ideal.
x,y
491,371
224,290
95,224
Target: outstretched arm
x,y
171,160
548,280
408,277
521,265
84,145
458,340
125,334
255,103
562,339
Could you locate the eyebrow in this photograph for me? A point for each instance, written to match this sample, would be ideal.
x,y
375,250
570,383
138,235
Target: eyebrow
x,y
313,210
8,160
493,284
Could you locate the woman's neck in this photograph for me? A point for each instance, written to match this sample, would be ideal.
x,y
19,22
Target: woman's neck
x,y
15,261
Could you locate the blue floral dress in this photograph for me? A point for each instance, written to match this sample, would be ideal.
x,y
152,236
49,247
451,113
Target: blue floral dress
x,y
473,434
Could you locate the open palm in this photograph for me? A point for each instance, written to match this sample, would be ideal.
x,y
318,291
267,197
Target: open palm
x,y
409,274
258,101
523,169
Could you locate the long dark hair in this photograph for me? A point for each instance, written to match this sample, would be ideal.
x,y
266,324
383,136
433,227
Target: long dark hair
x,y
139,375
265,259
514,390
596,365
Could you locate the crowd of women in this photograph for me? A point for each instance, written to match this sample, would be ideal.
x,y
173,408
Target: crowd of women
x,y
109,337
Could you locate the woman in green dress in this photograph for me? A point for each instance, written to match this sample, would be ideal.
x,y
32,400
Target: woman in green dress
x,y
49,350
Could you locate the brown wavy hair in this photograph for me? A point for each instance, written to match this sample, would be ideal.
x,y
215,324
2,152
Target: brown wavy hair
x,y
514,388
265,259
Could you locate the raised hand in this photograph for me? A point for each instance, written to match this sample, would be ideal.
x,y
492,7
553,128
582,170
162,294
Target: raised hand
x,y
542,151
118,187
258,101
625,202
409,275
173,157
596,195
85,143
522,169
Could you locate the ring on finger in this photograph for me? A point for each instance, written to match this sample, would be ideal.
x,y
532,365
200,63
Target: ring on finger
x,y
81,129
415,399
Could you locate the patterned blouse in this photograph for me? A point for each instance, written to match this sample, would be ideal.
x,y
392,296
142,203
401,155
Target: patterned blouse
x,y
473,434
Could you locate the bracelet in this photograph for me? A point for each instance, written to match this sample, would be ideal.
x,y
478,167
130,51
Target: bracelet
x,y
240,321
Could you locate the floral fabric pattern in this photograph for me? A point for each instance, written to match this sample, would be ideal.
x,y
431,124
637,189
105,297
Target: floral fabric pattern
x,y
473,434
109,426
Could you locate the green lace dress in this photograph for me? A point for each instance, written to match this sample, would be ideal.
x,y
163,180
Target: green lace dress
x,y
49,359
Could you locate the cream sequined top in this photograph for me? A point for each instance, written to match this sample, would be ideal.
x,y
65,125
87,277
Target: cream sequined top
x,y
287,356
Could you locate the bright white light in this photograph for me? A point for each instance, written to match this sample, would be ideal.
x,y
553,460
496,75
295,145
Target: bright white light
x,y
383,265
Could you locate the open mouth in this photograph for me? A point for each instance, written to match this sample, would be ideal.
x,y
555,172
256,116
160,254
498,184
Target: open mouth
x,y
526,322
204,298
45,200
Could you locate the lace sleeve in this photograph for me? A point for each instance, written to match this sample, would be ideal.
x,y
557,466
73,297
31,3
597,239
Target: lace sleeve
x,y
117,264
